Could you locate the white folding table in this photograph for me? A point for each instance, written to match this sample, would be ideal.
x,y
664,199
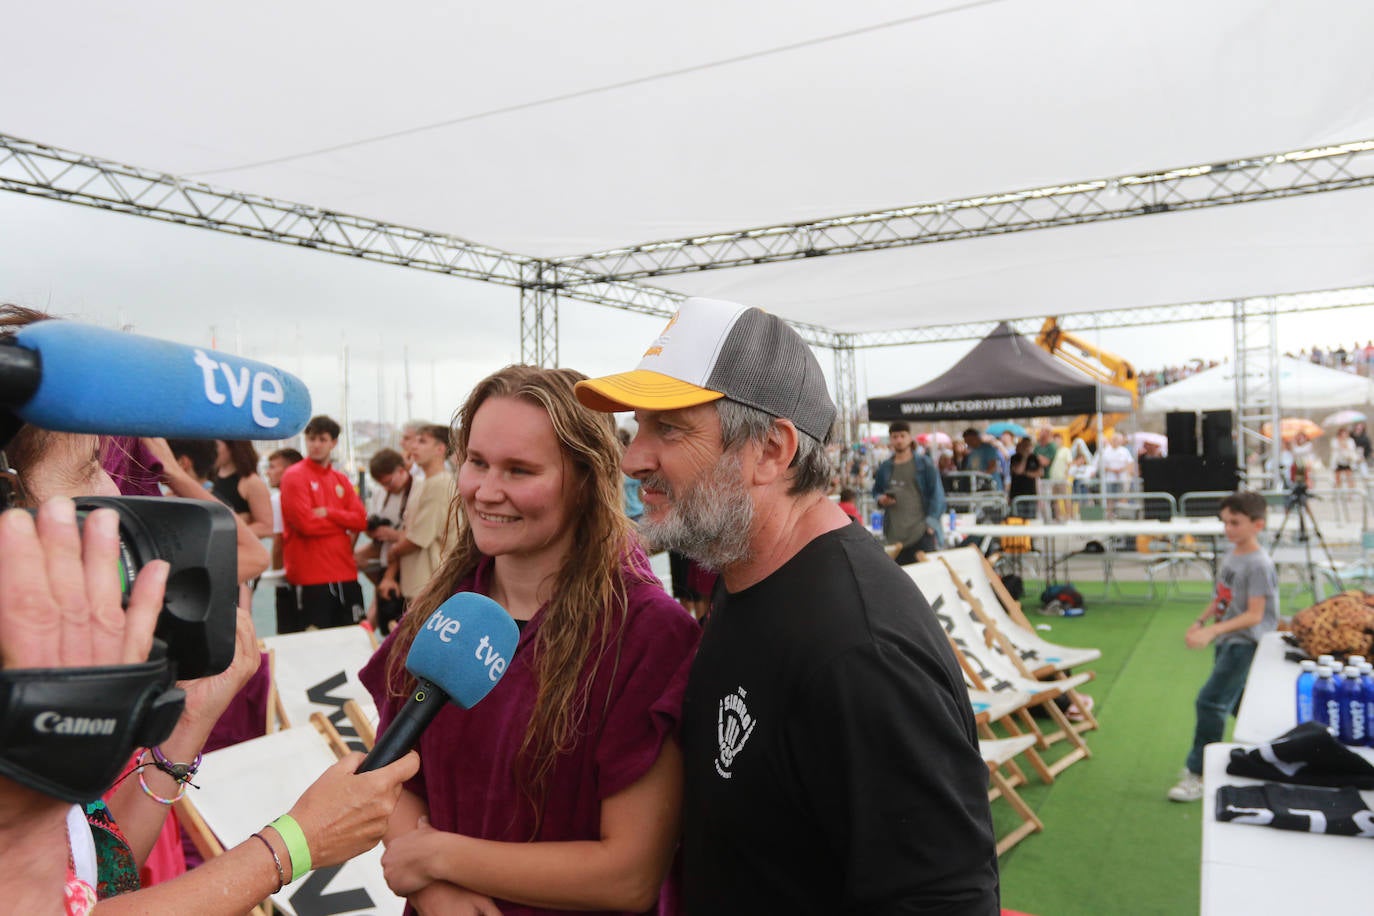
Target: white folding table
x,y
1259,870
1052,533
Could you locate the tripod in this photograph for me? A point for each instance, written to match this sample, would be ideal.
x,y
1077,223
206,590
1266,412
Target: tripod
x,y
1298,499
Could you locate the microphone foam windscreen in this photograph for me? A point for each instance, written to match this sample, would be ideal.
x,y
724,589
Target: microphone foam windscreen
x,y
96,380
464,647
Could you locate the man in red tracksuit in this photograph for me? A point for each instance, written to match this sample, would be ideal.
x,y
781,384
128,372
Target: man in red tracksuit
x,y
321,515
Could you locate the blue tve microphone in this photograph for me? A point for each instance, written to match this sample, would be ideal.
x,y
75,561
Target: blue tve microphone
x,y
458,655
71,377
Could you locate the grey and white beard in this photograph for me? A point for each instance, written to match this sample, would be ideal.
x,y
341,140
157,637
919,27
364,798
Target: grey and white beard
x,y
710,521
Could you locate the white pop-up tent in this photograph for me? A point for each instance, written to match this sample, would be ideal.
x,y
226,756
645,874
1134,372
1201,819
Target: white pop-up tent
x,y
543,130
1302,386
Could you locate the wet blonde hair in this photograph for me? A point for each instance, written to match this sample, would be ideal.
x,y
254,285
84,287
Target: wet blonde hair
x,y
586,614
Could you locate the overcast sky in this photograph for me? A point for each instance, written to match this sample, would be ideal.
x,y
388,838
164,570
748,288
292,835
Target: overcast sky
x,y
298,308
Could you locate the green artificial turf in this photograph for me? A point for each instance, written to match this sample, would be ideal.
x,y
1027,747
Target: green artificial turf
x,y
1112,843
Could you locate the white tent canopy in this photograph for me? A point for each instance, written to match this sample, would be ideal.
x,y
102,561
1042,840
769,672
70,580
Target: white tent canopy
x,y
1302,386
556,129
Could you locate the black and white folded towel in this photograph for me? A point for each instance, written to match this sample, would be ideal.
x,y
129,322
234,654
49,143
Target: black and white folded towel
x,y
1307,755
1308,809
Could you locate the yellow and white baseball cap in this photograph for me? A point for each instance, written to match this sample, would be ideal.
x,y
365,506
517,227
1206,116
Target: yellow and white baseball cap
x,y
713,349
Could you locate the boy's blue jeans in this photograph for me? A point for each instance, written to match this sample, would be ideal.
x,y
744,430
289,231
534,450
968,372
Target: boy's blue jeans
x,y
1220,696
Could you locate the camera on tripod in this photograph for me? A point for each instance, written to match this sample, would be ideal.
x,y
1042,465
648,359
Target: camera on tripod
x,y
1298,496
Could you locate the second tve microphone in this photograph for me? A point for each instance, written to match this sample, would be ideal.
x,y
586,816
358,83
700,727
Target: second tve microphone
x,y
459,654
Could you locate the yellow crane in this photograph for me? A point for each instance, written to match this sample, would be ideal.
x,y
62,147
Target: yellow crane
x,y
1096,363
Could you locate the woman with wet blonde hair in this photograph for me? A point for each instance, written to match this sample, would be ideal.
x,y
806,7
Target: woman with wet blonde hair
x,y
560,790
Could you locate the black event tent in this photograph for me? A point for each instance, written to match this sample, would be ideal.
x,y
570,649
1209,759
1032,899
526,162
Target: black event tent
x,y
1005,375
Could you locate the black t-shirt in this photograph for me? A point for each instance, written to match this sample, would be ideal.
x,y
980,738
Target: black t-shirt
x,y
832,760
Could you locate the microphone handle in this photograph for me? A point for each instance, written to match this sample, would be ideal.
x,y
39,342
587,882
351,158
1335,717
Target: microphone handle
x,y
403,732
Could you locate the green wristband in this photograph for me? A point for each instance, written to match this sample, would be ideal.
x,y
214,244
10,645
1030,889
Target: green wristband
x,y
294,838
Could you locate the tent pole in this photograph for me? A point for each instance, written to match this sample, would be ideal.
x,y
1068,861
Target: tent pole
x,y
1101,434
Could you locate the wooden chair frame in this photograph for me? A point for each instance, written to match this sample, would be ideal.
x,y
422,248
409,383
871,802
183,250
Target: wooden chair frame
x,y
1013,652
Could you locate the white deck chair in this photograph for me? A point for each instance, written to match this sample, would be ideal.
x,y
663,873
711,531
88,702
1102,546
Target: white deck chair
x,y
996,754
1030,659
247,785
317,671
1041,656
991,664
1002,709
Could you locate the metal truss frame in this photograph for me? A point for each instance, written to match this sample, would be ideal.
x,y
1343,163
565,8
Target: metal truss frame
x,y
45,171
538,326
612,278
846,392
1255,329
1176,313
1289,174
32,168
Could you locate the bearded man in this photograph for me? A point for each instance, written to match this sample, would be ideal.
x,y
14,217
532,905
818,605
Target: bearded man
x,y
830,754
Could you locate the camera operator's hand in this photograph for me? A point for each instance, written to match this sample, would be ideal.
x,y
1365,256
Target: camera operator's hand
x,y
60,607
207,697
388,587
60,598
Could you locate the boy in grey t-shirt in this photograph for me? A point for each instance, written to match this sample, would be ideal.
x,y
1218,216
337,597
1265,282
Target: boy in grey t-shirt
x,y
1245,607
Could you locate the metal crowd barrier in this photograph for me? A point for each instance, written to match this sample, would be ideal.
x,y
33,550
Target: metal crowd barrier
x,y
969,491
1118,504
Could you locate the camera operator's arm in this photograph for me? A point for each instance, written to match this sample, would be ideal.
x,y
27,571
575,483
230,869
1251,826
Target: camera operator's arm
x,y
341,815
60,611
252,556
138,816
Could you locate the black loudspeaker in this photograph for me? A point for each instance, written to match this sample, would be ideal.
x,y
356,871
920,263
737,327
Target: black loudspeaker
x,y
1190,473
1176,474
1181,427
1221,473
1157,476
1214,474
1217,441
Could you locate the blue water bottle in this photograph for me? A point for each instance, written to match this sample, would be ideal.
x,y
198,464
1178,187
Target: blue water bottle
x,y
1325,709
876,521
1367,674
1305,682
1351,696
953,527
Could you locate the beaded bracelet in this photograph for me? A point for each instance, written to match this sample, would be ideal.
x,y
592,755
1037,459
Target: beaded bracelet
x,y
181,772
143,784
276,860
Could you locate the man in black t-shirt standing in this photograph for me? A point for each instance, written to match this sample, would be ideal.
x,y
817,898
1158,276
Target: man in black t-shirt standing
x,y
830,757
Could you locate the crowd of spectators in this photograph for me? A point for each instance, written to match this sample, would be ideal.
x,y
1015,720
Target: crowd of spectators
x,y
977,463
1356,358
1153,379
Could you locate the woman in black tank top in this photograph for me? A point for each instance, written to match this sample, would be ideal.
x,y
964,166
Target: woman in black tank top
x,y
238,485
